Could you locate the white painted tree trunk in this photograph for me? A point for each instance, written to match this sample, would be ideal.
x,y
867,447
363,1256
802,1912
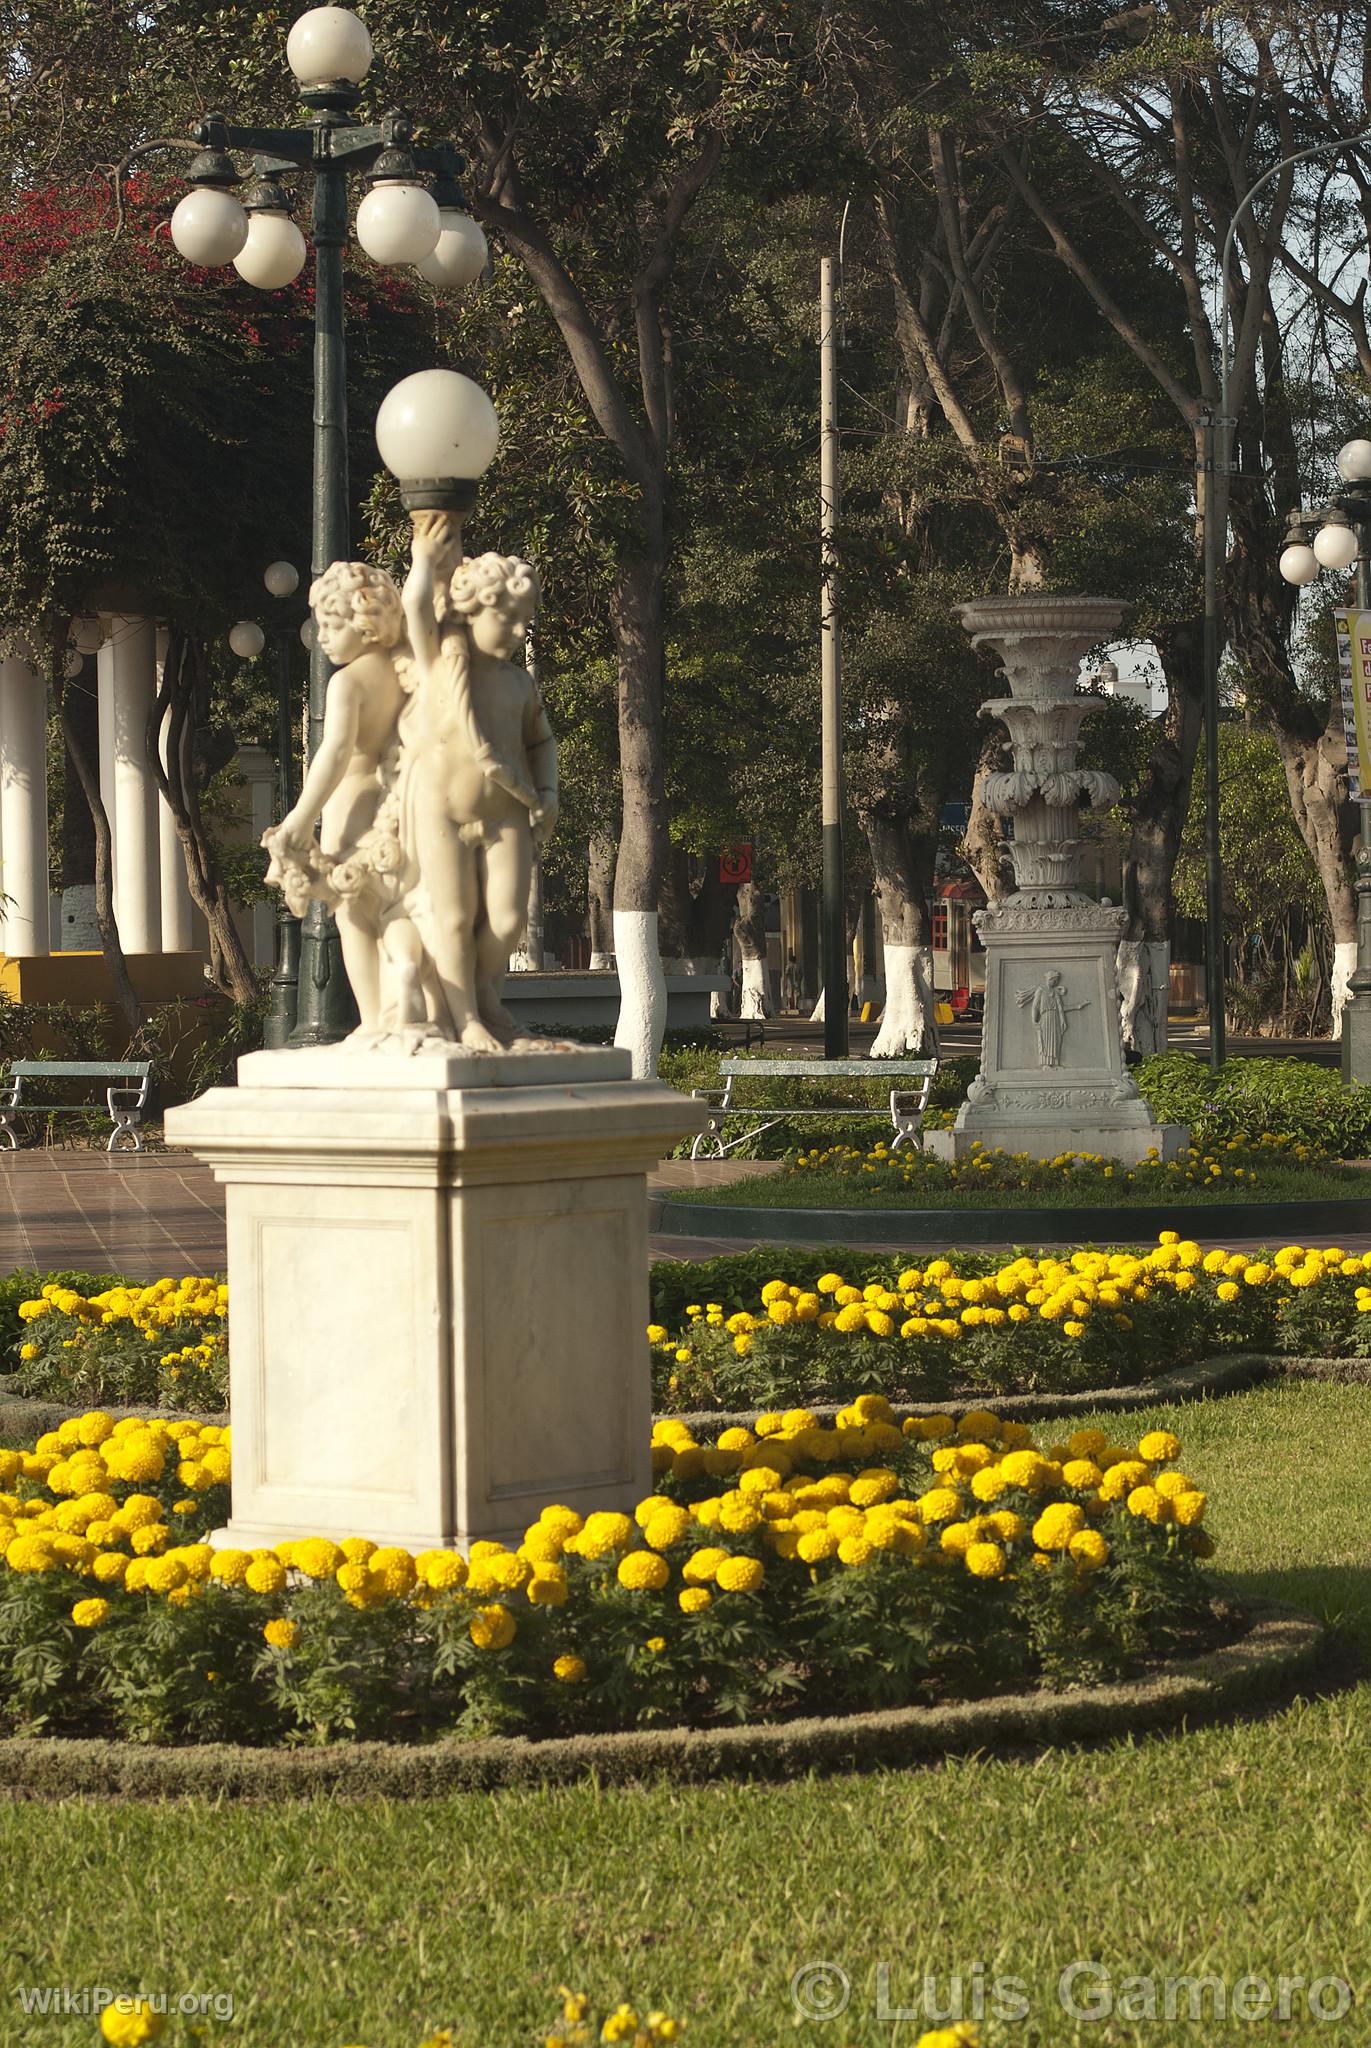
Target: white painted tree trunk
x,y
816,1015
908,1024
1143,967
756,996
642,989
1344,963
600,963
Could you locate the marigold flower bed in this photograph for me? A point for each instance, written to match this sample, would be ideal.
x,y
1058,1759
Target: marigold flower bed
x,y
788,1568
1086,1319
165,1343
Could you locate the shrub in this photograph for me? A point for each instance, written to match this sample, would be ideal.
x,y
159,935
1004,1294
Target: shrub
x,y
1288,1098
789,1568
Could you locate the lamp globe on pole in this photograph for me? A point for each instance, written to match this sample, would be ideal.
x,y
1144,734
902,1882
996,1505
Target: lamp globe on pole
x,y
398,221
461,252
274,253
437,433
210,225
329,46
282,579
1298,562
1354,462
247,639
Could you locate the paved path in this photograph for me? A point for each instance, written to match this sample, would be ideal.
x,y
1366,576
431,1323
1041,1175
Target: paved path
x,y
157,1214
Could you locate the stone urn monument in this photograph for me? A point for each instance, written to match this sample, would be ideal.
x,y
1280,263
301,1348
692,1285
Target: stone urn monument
x,y
437,1230
1052,1076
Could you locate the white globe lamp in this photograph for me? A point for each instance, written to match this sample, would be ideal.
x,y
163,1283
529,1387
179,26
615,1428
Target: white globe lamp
x,y
1354,462
460,255
307,634
1335,544
88,635
209,226
437,432
398,221
329,46
73,665
282,579
1299,564
247,639
274,253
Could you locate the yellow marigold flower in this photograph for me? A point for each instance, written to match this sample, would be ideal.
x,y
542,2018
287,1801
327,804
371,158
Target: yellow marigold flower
x,y
1056,1525
642,1571
165,1574
1009,1527
492,1628
90,1613
316,1557
1159,1447
1082,1474
1149,1505
1120,1479
1189,1508
130,2022
656,1333
569,1670
855,1550
1089,1548
703,1564
265,1575
565,1522
739,1575
670,1524
984,1560
739,1513
955,1537
1201,1543
939,1504
816,1546
870,1488
694,1599
603,1532
989,1483
281,1634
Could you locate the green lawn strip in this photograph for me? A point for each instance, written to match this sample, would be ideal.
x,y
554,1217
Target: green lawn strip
x,y
1230,1851
804,1189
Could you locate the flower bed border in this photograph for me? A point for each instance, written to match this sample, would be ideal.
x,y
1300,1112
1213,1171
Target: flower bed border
x,y
956,1228
1280,1646
22,1414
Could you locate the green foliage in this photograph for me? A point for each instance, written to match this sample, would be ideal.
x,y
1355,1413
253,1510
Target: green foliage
x,y
1294,1099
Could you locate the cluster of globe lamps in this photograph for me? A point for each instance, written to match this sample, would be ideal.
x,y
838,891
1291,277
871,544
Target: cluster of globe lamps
x,y
401,220
1328,538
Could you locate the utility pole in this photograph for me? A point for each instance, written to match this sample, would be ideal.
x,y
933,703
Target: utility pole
x,y
833,944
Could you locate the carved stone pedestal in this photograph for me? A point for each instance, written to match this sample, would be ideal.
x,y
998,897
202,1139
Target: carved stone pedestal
x,y
438,1271
1052,1075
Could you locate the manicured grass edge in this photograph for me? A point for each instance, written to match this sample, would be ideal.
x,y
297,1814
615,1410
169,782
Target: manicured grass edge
x,y
699,1214
1279,1646
21,1414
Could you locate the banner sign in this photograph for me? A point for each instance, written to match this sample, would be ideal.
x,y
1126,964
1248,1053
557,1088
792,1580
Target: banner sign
x,y
1354,682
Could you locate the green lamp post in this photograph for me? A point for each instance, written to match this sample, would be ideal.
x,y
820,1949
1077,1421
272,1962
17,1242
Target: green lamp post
x,y
399,221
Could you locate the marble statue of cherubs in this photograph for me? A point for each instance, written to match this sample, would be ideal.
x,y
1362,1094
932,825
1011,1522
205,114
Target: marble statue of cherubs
x,y
478,771
348,787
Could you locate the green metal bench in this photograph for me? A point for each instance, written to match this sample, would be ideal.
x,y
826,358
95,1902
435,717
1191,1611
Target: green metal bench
x,y
126,1091
907,1105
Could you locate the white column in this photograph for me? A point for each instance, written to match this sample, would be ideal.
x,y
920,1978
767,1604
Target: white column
x,y
258,771
24,918
178,932
104,712
131,655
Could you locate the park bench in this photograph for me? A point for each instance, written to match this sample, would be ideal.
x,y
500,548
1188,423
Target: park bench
x,y
126,1084
907,1104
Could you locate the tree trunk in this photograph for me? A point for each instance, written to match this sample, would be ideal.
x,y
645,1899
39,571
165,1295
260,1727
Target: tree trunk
x,y
751,930
600,901
125,995
1315,767
178,778
636,615
902,864
1160,810
985,845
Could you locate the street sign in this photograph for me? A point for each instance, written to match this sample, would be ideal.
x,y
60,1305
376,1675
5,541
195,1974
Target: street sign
x,y
1353,630
735,864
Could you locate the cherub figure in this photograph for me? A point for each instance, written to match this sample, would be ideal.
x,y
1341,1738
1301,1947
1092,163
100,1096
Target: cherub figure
x,y
478,774
349,783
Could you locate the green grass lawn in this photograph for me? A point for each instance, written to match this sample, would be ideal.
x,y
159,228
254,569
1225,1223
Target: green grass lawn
x,y
1229,1851
883,1190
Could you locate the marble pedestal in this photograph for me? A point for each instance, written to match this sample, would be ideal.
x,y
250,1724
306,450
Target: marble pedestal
x,y
438,1268
1052,1075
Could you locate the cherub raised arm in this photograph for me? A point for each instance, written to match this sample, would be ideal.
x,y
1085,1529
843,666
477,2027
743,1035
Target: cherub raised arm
x,y
361,625
480,770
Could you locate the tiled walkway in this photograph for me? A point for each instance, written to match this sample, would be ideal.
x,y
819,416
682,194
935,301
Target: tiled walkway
x,y
158,1213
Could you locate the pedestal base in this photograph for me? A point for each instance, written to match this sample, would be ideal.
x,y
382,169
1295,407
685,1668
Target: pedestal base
x,y
439,1281
1128,1143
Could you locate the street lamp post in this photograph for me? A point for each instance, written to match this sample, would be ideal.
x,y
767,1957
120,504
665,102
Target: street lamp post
x,y
399,221
1338,536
